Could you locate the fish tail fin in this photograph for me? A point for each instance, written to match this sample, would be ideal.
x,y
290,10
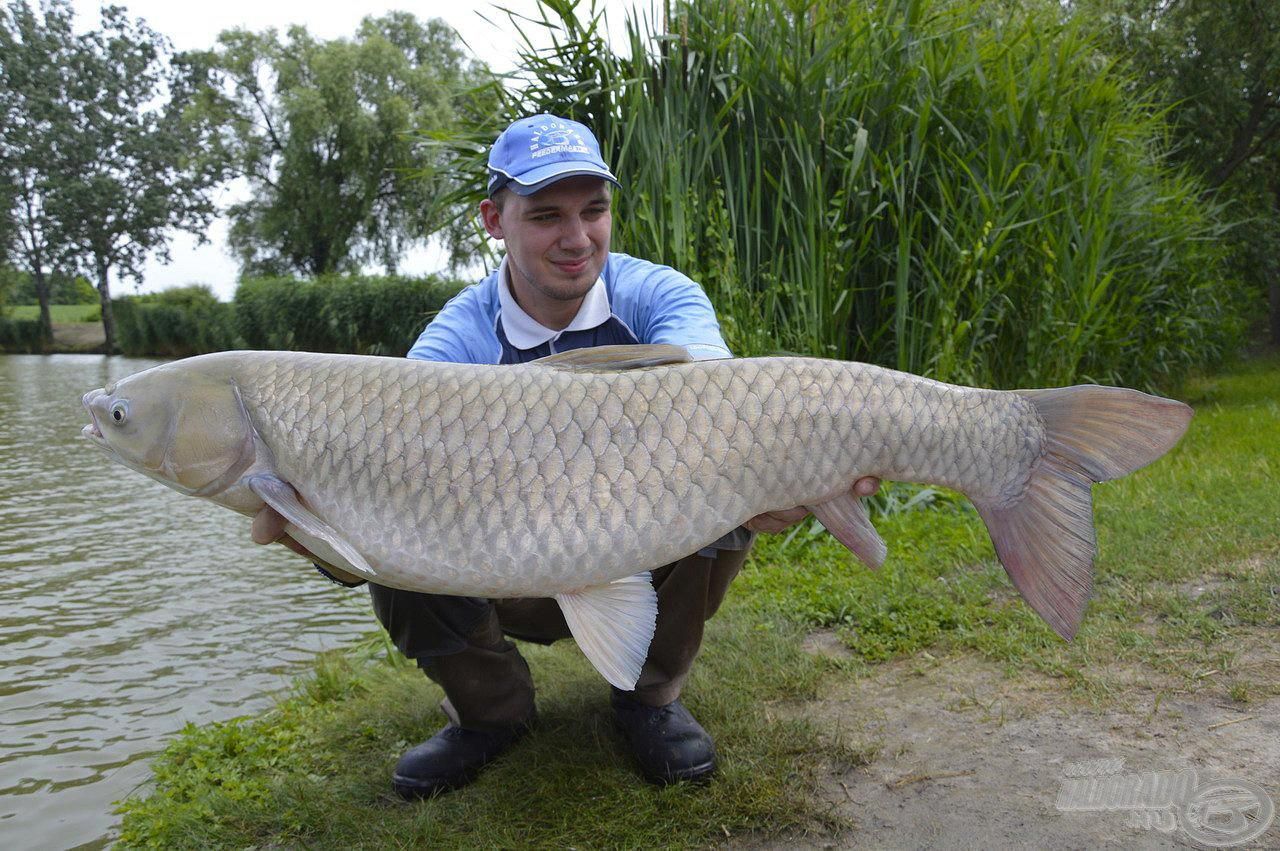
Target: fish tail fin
x,y
1046,540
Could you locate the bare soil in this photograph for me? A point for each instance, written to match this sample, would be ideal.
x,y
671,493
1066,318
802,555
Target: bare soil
x,y
951,753
79,337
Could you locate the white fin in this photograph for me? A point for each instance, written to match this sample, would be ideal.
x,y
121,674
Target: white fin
x,y
846,518
1046,540
613,624
281,496
616,358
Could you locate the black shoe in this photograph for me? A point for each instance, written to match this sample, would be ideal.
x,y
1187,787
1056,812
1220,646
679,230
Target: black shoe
x,y
450,759
666,740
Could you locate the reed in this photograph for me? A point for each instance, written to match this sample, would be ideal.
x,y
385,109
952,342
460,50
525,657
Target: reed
x,y
935,186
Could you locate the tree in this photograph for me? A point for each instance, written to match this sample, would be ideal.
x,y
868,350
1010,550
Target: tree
x,y
35,53
320,130
1217,62
135,167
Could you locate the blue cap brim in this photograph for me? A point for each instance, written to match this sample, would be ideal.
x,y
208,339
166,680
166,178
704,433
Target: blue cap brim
x,y
538,179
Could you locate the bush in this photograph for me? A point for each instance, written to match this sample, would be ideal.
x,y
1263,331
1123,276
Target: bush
x,y
19,336
174,323
63,289
352,314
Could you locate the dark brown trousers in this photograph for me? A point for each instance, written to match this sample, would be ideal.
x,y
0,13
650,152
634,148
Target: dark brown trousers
x,y
460,642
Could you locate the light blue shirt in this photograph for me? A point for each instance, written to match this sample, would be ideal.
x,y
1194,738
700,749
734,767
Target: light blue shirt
x,y
633,301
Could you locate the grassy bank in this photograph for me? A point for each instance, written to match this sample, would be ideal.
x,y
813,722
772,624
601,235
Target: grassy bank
x,y
1187,592
59,313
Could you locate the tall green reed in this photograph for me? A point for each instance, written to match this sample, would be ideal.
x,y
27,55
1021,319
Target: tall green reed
x,y
958,189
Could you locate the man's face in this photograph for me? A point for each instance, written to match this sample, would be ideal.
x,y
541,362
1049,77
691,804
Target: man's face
x,y
557,240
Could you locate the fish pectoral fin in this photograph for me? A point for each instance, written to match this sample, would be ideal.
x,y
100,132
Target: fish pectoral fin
x,y
616,358
281,496
846,518
613,625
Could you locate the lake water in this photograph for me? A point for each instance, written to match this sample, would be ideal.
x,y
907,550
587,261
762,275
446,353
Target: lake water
x,y
126,610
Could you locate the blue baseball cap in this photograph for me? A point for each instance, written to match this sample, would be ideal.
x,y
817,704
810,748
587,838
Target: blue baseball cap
x,y
537,151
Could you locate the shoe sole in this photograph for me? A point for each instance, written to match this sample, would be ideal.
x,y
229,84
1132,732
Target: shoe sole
x,y
412,790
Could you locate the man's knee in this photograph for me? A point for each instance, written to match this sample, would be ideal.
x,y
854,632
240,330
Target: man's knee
x,y
426,625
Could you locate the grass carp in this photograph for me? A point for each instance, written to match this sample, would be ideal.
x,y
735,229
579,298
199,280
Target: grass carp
x,y
573,476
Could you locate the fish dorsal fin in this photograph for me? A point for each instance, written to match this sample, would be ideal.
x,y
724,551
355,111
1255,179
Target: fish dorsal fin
x,y
281,496
616,358
846,518
613,625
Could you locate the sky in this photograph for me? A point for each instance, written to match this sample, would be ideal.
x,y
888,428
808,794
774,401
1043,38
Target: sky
x,y
481,25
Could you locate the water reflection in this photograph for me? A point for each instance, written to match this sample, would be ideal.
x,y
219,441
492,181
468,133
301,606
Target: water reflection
x,y
126,610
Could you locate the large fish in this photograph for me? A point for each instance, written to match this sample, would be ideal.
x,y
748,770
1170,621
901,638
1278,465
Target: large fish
x,y
572,476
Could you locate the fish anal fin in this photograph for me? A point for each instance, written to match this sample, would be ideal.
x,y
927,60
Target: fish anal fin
x,y
613,625
616,358
846,518
281,496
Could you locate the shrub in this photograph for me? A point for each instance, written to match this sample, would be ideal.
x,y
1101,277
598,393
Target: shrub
x,y
21,336
354,314
174,323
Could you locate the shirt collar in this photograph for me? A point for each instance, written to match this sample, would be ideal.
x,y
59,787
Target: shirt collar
x,y
525,332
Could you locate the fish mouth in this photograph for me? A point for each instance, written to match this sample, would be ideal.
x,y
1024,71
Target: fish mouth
x,y
92,431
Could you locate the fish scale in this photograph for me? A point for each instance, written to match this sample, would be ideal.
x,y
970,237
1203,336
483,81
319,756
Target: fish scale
x,y
666,460
573,476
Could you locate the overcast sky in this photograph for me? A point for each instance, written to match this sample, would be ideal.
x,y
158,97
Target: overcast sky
x,y
191,26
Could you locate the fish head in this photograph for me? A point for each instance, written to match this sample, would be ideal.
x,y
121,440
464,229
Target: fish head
x,y
181,427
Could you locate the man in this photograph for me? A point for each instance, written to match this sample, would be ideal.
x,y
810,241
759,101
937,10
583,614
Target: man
x,y
558,288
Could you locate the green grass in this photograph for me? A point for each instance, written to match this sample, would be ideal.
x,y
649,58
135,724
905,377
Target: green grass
x,y
1188,587
60,313
1202,517
315,770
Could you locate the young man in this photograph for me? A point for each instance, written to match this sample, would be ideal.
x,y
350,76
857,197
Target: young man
x,y
558,288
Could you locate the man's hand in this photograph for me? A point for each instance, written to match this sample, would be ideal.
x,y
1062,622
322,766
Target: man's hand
x,y
268,528
777,521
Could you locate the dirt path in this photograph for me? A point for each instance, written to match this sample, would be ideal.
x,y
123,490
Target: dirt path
x,y
956,755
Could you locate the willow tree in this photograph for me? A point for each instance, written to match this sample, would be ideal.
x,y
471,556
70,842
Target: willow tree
x,y
320,130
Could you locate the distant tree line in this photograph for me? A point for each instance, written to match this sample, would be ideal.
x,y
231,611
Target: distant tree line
x,y
110,142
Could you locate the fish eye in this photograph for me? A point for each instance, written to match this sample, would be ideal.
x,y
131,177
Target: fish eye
x,y
120,412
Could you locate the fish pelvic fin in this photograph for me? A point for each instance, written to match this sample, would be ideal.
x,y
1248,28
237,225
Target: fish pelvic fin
x,y
1045,539
613,625
845,517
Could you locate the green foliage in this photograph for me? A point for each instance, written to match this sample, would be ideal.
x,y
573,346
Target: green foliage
x,y
177,322
933,186
63,288
96,146
311,772
1216,65
359,315
10,280
35,112
21,336
320,131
